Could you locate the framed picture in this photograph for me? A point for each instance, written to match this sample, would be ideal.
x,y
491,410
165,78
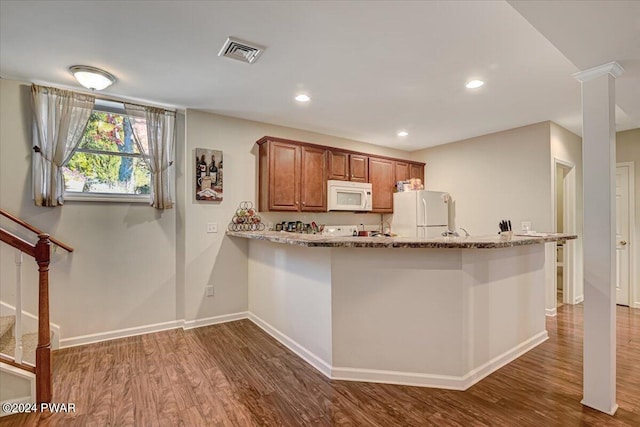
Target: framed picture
x,y
209,175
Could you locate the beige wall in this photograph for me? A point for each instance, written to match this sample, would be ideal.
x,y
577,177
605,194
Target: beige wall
x,y
219,261
135,266
628,150
504,175
567,147
122,273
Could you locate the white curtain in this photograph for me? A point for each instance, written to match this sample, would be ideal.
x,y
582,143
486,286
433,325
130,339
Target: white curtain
x,y
60,119
154,132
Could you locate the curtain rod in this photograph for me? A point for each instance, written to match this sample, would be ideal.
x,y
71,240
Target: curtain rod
x,y
113,98
124,101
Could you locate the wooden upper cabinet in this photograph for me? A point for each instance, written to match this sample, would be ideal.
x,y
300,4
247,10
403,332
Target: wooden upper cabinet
x,y
339,165
313,187
402,171
382,174
359,166
344,166
292,176
416,170
284,176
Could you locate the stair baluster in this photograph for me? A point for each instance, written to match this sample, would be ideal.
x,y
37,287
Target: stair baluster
x,y
44,377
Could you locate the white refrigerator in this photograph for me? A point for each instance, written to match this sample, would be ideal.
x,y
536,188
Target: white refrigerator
x,y
421,214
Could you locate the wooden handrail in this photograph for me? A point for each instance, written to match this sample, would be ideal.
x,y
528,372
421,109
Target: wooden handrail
x,y
18,243
35,230
22,366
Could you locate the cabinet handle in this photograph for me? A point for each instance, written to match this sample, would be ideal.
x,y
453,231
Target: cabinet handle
x,y
304,203
623,243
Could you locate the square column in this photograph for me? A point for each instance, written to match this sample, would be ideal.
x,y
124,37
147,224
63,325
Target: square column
x,y
599,167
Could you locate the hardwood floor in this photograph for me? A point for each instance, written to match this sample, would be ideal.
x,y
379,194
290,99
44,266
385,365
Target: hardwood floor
x,y
235,374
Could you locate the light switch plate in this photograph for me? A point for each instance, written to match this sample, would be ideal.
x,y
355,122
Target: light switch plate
x,y
209,291
212,227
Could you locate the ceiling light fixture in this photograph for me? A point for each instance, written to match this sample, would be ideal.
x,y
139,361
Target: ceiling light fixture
x,y
474,84
403,133
91,77
303,98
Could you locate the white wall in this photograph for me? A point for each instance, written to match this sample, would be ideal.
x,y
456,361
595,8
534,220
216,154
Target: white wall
x,y
504,175
628,150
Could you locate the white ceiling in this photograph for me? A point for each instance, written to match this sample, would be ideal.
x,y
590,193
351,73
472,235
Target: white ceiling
x,y
371,68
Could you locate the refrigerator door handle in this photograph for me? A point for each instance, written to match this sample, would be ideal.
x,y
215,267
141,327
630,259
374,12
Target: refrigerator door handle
x,y
424,206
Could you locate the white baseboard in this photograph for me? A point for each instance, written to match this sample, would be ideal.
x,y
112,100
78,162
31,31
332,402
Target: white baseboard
x,y
120,333
198,323
439,381
579,299
292,345
505,358
399,378
551,312
147,329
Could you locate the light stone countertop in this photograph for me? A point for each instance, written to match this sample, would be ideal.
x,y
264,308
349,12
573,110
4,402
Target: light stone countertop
x,y
471,242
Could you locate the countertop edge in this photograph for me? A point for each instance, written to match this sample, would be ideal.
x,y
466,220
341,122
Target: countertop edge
x,y
472,242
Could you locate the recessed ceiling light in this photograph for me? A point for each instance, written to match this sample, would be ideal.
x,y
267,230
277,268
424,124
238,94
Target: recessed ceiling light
x,y
303,98
403,133
474,84
91,77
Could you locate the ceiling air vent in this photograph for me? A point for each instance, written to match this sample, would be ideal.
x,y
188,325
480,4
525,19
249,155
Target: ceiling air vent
x,y
240,50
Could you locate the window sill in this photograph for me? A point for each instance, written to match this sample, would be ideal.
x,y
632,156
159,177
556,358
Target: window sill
x,y
105,197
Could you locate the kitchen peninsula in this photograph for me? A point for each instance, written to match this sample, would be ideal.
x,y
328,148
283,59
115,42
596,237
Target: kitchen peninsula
x,y
443,312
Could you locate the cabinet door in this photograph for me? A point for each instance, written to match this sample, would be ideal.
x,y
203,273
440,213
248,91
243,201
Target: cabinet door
x,y
359,166
402,171
416,171
382,174
338,165
284,176
313,187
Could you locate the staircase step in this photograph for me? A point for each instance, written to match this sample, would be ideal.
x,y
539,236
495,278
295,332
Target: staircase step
x,y
6,329
6,324
29,344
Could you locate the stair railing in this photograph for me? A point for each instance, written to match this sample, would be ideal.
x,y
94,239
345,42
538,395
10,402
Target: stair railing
x,y
41,252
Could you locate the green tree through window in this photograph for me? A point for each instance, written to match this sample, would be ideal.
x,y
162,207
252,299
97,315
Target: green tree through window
x,y
108,159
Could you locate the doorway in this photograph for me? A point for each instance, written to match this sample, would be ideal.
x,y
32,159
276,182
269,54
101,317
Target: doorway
x,y
564,211
624,226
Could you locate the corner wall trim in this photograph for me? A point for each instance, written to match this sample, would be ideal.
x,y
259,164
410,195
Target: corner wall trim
x,y
579,299
551,312
292,345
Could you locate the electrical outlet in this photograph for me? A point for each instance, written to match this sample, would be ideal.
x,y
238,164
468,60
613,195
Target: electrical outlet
x,y
525,225
212,227
209,291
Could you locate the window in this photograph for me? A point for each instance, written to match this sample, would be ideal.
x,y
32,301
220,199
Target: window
x,y
108,162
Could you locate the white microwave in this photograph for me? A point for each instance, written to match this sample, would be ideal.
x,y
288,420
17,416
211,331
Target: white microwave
x,y
348,196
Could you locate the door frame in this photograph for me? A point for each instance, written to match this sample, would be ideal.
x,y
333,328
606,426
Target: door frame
x,y
570,225
634,293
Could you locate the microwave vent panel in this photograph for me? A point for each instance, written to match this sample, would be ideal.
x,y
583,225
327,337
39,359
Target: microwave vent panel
x,y
242,51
